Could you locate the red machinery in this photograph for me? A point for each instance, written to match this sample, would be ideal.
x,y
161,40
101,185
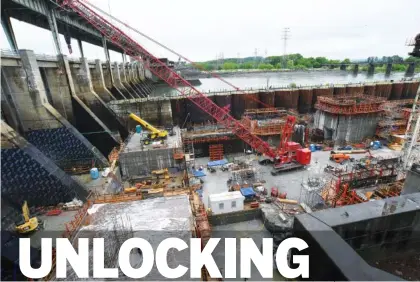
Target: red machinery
x,y
291,155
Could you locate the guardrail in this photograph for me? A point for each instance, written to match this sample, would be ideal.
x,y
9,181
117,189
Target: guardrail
x,y
9,53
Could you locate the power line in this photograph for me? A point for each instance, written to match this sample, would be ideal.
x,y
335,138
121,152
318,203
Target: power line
x,y
285,37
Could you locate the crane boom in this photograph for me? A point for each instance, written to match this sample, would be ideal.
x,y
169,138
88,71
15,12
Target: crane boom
x,y
174,80
145,124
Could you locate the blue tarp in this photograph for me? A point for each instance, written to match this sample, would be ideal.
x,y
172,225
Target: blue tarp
x,y
216,163
247,192
198,173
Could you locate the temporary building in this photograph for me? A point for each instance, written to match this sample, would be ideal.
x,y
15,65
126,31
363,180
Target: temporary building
x,y
226,202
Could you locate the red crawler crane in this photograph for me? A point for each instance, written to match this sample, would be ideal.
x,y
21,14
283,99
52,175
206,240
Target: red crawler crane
x,y
174,80
291,155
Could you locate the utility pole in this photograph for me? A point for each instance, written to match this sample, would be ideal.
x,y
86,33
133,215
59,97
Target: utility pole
x,y
285,37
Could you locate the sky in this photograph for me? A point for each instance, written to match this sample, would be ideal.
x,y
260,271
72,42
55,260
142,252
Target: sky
x,y
203,30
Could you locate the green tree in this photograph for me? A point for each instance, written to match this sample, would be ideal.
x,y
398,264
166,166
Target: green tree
x,y
246,66
265,66
290,64
346,61
230,66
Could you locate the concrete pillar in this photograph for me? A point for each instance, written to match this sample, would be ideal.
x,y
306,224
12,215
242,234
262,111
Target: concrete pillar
x,y
388,69
79,42
356,69
371,69
99,83
8,30
52,22
410,69
107,58
118,83
343,67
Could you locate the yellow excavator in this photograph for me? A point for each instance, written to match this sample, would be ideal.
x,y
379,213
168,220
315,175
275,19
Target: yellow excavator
x,y
28,224
154,133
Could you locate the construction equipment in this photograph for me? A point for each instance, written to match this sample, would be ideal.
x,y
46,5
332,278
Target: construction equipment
x,y
174,80
291,155
171,77
160,172
154,133
339,158
28,224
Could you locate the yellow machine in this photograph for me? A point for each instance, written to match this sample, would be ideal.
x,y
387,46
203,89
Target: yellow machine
x,y
163,172
155,134
29,224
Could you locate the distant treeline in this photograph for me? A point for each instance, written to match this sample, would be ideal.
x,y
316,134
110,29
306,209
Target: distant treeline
x,y
298,62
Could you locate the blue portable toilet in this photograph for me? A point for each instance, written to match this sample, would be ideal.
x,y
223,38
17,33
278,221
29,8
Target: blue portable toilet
x,y
138,129
94,173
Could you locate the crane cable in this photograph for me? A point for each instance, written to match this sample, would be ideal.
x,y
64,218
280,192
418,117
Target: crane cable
x,y
173,51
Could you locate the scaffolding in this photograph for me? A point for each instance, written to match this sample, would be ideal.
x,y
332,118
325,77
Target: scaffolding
x,y
350,104
216,152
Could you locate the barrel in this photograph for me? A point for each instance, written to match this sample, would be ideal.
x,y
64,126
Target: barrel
x,y
94,173
138,129
312,147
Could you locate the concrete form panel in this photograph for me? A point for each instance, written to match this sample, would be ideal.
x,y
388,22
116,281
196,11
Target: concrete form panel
x,y
406,92
414,87
197,115
238,106
267,98
339,89
355,89
250,100
396,90
305,100
383,90
287,98
370,89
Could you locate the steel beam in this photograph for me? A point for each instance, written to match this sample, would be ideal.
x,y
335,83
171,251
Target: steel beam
x,y
52,22
8,30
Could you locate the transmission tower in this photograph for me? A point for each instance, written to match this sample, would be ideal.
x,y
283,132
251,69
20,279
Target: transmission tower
x,y
255,57
285,37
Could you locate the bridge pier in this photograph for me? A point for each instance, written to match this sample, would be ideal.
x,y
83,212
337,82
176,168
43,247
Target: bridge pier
x,y
79,42
40,122
343,67
118,82
125,79
388,69
8,30
410,69
356,69
371,69
107,59
99,83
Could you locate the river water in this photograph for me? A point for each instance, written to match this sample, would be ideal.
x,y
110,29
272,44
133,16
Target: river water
x,y
284,79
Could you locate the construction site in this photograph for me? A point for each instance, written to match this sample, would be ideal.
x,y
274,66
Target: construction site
x,y
93,148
